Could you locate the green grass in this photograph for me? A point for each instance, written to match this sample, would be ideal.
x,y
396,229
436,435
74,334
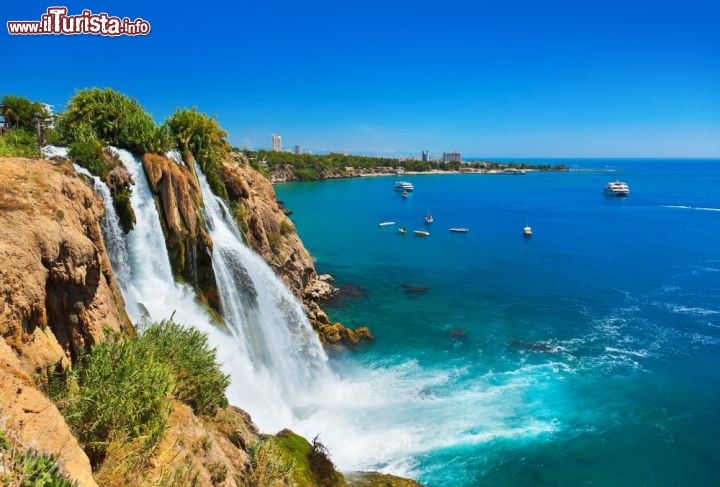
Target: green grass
x,y
121,392
19,143
28,468
199,383
118,392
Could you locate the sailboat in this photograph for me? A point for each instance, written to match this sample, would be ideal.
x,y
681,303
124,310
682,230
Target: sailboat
x,y
527,231
428,218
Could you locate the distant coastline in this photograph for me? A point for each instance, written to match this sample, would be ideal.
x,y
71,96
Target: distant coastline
x,y
286,174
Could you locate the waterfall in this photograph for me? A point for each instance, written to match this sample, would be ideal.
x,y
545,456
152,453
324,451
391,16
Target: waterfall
x,y
112,233
265,318
110,224
267,348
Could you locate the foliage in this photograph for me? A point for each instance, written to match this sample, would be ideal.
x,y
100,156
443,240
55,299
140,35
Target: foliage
x,y
270,466
199,382
203,137
274,240
115,119
322,467
28,469
18,143
125,212
119,391
313,167
20,112
286,228
88,154
218,472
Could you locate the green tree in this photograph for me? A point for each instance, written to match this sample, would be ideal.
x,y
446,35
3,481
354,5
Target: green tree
x,y
203,137
20,112
116,119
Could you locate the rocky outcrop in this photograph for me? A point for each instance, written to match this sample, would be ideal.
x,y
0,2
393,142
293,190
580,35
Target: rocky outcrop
x,y
189,245
269,231
58,295
57,289
196,450
375,479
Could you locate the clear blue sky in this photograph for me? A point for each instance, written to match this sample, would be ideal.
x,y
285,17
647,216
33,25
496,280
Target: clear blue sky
x,y
487,78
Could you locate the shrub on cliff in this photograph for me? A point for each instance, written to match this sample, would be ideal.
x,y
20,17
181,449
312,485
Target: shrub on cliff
x,y
120,391
199,382
27,468
18,143
205,139
115,118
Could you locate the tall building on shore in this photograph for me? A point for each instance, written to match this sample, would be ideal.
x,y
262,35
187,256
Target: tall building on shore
x,y
298,149
425,155
453,156
276,143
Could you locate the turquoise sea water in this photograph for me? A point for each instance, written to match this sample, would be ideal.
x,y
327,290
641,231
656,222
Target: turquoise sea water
x,y
588,354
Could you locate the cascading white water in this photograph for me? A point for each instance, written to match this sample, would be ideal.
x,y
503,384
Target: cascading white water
x,y
112,233
266,378
373,418
267,321
110,224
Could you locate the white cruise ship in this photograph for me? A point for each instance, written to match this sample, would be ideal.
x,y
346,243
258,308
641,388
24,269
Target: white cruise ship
x,y
617,188
404,186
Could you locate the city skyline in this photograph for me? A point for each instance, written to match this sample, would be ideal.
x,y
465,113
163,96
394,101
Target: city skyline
x,y
622,79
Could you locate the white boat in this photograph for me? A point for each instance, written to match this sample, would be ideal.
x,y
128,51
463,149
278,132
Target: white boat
x,y
402,231
421,233
404,186
385,224
617,188
428,218
459,230
527,231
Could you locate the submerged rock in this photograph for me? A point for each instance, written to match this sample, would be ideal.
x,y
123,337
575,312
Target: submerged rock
x,y
415,289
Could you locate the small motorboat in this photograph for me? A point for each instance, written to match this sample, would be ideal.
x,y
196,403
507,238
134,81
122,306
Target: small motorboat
x,y
385,224
459,230
421,233
402,230
527,231
404,194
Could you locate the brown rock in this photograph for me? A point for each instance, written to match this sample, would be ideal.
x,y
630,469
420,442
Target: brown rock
x,y
119,178
34,423
60,292
189,245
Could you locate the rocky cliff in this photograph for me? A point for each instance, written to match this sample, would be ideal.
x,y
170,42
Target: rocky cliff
x,y
57,296
179,203
272,234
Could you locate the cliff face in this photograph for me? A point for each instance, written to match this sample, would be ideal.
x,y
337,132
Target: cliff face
x,y
272,234
189,245
57,295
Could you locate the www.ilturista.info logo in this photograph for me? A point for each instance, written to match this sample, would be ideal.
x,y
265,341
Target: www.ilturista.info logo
x,y
57,21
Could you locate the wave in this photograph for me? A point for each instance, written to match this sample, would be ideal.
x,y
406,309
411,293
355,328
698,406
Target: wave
x,y
686,207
